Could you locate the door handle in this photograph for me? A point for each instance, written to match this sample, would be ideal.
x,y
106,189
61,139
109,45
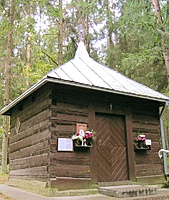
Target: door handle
x,y
99,143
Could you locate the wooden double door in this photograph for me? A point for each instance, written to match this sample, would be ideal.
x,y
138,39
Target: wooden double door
x,y
111,148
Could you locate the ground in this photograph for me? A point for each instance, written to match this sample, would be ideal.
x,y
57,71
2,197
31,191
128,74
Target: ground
x,y
3,180
1,197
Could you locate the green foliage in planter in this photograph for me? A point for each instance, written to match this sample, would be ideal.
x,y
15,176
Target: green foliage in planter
x,y
166,185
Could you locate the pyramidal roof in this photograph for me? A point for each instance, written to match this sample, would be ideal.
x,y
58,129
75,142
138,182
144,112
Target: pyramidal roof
x,y
83,71
87,72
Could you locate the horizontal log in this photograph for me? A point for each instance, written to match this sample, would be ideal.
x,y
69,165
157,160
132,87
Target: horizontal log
x,y
146,109
29,127
151,159
145,131
146,126
70,160
70,117
31,108
70,170
34,171
36,118
29,161
66,127
145,119
149,169
36,149
69,106
29,177
29,141
149,173
55,112
71,155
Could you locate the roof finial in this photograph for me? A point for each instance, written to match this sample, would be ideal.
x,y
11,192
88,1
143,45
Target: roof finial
x,y
81,50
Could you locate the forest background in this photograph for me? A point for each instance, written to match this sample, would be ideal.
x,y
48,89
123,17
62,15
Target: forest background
x,y
130,36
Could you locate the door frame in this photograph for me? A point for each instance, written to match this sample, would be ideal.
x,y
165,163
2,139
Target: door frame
x,y
129,143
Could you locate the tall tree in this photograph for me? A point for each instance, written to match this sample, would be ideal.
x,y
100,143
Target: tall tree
x,y
164,41
8,84
60,34
111,30
136,52
28,49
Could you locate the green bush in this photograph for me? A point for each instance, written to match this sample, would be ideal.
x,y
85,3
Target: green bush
x,y
7,169
166,185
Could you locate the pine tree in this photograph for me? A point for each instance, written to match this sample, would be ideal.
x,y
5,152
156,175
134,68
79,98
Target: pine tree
x,y
7,87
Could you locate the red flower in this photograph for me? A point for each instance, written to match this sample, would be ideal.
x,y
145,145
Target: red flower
x,y
141,138
89,134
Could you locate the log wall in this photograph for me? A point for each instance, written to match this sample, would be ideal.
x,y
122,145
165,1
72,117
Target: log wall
x,y
67,110
148,162
29,147
53,112
72,106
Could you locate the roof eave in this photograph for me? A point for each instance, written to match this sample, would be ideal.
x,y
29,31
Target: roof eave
x,y
105,90
39,84
60,81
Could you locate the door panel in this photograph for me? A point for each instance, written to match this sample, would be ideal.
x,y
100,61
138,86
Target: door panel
x,y
111,148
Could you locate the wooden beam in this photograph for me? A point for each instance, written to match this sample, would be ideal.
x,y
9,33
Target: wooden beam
x,y
130,147
93,160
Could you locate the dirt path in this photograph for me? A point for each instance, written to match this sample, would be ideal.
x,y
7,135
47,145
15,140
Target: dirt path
x,y
1,197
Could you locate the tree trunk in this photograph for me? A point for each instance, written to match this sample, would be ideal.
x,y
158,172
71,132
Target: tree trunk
x,y
7,88
5,144
81,21
87,34
60,36
28,49
110,12
165,48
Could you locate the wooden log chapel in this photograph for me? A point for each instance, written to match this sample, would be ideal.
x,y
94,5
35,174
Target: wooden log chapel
x,y
83,124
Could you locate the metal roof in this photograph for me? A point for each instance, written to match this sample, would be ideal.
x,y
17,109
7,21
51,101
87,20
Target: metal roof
x,y
83,71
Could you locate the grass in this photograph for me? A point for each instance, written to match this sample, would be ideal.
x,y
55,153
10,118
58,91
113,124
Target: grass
x,y
168,161
39,187
4,180
33,186
2,196
4,177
